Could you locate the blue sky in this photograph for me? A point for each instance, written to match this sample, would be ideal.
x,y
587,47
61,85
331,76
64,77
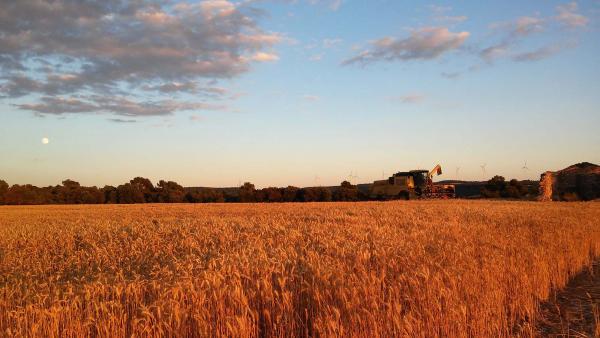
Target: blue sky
x,y
218,92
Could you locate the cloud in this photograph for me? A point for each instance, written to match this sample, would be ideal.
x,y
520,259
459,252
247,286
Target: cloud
x,y
410,98
110,104
422,44
334,5
514,31
312,98
527,25
329,43
173,87
453,19
122,121
316,57
537,54
265,57
568,16
440,15
491,53
517,31
196,118
117,46
188,87
454,75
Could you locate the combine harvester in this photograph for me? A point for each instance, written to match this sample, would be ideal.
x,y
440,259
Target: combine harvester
x,y
414,184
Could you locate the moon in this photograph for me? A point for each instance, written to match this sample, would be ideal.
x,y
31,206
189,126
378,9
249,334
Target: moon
x,y
45,140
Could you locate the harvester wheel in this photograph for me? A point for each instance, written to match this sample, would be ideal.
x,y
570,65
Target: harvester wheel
x,y
404,195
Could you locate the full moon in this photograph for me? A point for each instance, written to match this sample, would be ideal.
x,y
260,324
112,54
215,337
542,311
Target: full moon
x,y
45,140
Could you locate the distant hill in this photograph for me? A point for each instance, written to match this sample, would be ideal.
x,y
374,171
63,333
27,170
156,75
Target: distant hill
x,y
580,181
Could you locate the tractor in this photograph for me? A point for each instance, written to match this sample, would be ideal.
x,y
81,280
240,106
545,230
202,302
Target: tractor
x,y
414,184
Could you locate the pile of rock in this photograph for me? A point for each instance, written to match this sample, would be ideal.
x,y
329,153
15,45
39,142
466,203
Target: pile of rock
x,y
577,182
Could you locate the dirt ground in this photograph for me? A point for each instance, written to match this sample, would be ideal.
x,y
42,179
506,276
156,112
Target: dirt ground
x,y
575,310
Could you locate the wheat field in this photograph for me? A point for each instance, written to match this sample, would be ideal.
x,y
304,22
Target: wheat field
x,y
372,269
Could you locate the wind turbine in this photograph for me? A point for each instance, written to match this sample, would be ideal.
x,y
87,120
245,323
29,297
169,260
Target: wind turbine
x,y
483,169
525,169
356,177
350,177
457,170
317,180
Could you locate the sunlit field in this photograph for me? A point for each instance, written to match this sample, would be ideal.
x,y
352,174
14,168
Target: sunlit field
x,y
412,269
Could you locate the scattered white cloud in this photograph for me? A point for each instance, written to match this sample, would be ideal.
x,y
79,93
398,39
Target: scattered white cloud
x,y
441,15
537,54
517,31
334,5
451,75
116,120
569,17
316,57
312,98
527,25
411,98
110,104
422,44
64,49
265,57
329,43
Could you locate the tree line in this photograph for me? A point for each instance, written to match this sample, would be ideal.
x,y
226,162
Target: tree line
x,y
498,187
142,190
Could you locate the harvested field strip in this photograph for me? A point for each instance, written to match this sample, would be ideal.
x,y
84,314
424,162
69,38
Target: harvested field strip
x,y
574,311
413,269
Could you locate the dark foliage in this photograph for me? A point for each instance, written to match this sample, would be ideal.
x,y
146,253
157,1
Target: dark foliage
x,y
142,190
497,187
346,192
3,190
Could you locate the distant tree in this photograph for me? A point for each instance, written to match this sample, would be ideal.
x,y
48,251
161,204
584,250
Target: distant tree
x,y
346,192
514,189
92,195
259,196
205,195
193,197
231,196
129,194
110,195
325,194
146,187
314,194
290,194
272,195
3,190
247,193
494,187
69,193
170,192
308,195
26,195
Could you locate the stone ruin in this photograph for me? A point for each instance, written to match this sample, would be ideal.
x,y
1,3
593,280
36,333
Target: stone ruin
x,y
578,182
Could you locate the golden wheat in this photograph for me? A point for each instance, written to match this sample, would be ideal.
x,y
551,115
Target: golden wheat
x,y
412,269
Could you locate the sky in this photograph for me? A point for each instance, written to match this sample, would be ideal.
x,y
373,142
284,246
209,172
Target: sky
x,y
306,92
